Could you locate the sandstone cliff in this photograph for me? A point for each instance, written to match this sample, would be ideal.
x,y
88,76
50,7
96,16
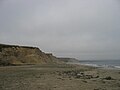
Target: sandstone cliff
x,y
12,55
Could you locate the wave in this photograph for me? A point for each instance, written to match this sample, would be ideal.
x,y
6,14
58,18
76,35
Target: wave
x,y
103,66
94,65
117,67
112,64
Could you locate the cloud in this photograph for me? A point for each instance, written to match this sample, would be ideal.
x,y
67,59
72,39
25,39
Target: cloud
x,y
86,29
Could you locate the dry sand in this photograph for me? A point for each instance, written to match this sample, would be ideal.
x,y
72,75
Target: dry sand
x,y
58,77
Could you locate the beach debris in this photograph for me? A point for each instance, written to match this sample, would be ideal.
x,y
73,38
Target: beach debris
x,y
100,89
96,89
84,81
108,78
78,74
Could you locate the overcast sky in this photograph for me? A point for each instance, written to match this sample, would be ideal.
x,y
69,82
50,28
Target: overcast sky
x,y
84,29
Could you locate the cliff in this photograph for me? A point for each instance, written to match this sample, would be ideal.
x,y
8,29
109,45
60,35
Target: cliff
x,y
13,54
68,60
53,59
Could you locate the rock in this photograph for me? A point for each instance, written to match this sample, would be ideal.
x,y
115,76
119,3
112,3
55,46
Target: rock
x,y
88,76
84,81
80,75
108,78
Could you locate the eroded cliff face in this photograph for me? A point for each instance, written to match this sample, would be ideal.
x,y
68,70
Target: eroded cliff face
x,y
52,58
11,55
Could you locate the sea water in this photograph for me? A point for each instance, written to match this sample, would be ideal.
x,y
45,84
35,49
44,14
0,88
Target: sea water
x,y
102,63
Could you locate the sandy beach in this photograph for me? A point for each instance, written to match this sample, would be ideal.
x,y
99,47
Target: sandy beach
x,y
58,77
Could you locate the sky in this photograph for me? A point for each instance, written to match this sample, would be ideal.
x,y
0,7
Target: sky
x,y
82,29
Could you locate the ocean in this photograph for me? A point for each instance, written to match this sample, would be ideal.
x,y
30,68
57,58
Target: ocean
x,y
112,64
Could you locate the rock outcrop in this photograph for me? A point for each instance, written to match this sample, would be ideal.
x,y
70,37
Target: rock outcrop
x,y
13,55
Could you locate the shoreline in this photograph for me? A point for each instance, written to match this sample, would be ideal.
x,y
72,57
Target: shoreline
x,y
98,66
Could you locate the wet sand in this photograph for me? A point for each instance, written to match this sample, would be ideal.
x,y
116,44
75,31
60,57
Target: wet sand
x,y
58,77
